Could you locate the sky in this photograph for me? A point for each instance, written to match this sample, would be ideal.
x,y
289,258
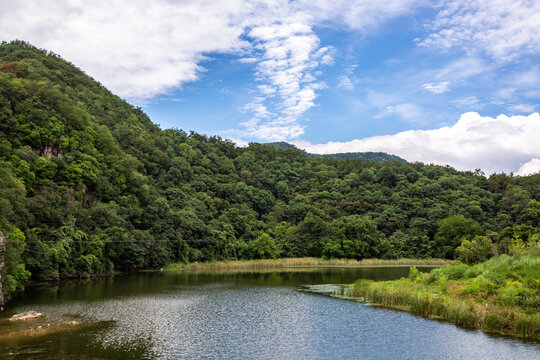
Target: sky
x,y
446,82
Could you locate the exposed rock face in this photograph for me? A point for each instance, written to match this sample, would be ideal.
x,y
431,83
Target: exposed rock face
x,y
2,250
49,151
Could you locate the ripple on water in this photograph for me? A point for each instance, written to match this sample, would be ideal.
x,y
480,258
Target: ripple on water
x,y
242,318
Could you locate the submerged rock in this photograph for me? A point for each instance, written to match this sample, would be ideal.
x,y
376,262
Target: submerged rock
x,y
25,316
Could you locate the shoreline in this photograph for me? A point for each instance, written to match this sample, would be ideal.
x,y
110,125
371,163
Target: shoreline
x,y
285,263
459,301
457,320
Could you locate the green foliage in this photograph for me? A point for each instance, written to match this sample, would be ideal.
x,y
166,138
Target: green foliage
x,y
413,273
364,156
264,247
476,250
353,237
14,273
452,231
95,186
500,295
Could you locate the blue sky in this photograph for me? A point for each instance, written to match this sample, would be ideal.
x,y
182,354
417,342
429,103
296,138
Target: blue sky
x,y
377,84
448,82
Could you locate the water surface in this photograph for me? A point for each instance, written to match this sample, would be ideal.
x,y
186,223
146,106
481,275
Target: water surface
x,y
235,316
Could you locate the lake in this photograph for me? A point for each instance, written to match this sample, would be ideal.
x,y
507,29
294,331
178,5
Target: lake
x,y
253,315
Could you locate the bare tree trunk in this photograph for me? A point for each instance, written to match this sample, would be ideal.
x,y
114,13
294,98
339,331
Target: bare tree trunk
x,y
2,250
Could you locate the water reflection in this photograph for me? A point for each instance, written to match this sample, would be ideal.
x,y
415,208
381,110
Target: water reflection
x,y
239,315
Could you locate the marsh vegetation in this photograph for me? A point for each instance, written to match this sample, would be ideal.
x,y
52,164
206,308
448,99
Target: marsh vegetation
x,y
500,295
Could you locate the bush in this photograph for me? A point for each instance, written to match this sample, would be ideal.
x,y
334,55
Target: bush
x,y
264,247
413,273
455,272
476,250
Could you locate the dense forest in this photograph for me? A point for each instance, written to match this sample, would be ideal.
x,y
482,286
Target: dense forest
x,y
89,185
364,156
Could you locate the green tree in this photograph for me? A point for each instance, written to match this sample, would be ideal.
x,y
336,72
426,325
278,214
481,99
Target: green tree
x,y
264,247
479,249
14,273
451,233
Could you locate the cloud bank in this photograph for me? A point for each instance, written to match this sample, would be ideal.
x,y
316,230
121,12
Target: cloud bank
x,y
136,48
142,49
491,144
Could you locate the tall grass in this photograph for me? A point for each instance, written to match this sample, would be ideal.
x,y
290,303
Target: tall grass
x,y
501,295
301,262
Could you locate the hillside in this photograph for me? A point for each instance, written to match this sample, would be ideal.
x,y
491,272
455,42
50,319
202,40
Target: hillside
x,y
88,185
363,156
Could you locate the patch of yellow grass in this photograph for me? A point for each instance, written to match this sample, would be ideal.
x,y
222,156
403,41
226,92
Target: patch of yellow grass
x,y
301,262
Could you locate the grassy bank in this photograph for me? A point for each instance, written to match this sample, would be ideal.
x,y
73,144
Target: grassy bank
x,y
501,295
300,262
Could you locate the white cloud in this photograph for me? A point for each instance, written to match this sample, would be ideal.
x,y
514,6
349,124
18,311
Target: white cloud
x,y
290,57
142,49
437,88
348,80
464,68
409,112
530,167
358,15
468,101
248,60
522,108
136,48
503,29
380,99
491,144
527,78
346,83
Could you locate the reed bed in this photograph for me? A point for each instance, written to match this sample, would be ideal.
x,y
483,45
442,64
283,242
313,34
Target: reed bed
x,y
301,262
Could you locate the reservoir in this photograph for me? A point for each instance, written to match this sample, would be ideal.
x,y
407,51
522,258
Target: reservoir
x,y
233,315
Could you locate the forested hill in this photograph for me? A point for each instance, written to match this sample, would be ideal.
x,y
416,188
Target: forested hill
x,y
89,184
364,156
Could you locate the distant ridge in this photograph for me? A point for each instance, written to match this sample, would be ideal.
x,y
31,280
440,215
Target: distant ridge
x,y
363,156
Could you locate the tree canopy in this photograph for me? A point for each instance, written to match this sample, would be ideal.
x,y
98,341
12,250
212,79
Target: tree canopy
x,y
89,184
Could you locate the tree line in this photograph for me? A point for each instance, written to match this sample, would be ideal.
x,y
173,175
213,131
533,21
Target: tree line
x,y
89,185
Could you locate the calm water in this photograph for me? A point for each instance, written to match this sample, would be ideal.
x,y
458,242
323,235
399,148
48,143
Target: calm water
x,y
234,316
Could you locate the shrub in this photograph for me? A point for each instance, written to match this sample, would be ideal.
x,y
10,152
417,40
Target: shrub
x,y
413,273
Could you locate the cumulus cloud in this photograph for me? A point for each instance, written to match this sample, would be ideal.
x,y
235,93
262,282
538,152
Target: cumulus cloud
x,y
136,48
142,49
491,144
503,29
530,167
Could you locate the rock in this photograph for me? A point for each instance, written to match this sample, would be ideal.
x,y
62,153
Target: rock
x,y
2,250
25,316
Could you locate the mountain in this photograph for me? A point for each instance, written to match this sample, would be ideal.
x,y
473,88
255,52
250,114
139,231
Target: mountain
x,y
363,156
89,185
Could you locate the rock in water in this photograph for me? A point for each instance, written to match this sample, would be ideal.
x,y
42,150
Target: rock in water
x,y
25,316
